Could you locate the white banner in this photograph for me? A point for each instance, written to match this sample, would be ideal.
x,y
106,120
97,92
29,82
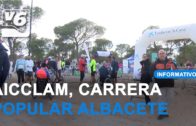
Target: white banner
x,y
103,53
125,66
88,56
86,50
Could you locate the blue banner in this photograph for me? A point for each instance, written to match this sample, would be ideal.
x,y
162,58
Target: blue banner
x,y
175,74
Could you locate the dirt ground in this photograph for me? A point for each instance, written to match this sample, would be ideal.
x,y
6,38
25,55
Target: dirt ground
x,y
182,109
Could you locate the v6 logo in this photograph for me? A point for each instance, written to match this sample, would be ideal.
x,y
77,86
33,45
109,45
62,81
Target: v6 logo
x,y
15,23
17,18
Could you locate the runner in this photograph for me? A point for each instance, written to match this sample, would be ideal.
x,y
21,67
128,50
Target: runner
x,y
82,64
145,74
93,70
115,68
166,85
29,70
103,73
19,68
59,69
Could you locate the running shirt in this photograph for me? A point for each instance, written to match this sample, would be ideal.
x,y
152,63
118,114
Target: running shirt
x,y
114,66
20,64
59,65
62,64
93,65
29,66
82,65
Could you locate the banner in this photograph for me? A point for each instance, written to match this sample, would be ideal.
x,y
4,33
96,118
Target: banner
x,y
103,53
88,56
125,66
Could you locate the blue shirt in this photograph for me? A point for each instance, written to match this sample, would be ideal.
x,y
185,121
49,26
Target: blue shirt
x,y
20,64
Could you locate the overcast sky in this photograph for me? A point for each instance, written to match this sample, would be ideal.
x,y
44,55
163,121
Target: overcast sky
x,y
124,20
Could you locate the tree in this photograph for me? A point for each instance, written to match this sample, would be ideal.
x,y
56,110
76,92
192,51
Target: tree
x,y
182,43
154,48
130,52
172,45
39,47
8,4
187,53
63,49
78,32
115,54
17,46
121,49
102,45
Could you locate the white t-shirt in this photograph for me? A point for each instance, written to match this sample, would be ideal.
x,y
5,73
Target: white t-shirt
x,y
29,65
59,65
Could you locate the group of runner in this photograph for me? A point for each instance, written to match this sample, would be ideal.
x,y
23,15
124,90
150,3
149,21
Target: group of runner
x,y
104,71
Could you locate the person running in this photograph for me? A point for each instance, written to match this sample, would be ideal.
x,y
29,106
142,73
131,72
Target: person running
x,y
42,77
166,85
19,68
59,69
42,73
114,71
52,68
62,65
93,70
103,73
29,64
145,74
82,64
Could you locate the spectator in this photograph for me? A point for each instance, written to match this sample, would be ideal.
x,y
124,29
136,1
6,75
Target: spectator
x,y
103,73
82,64
19,68
59,69
166,85
29,69
115,68
145,74
93,70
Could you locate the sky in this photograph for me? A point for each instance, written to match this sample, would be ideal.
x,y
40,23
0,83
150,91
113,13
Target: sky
x,y
124,20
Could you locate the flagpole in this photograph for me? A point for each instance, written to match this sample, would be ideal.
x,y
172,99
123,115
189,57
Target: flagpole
x,y
31,12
